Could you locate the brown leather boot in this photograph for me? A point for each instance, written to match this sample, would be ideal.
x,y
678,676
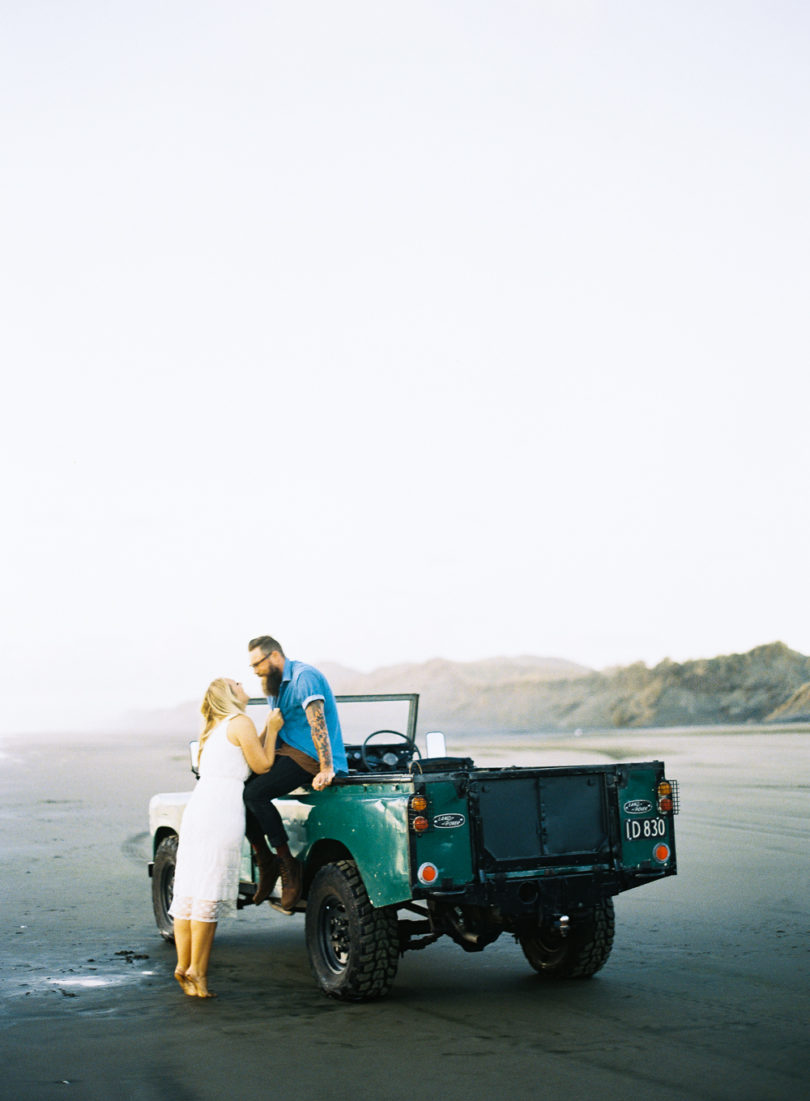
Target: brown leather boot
x,y
292,882
269,868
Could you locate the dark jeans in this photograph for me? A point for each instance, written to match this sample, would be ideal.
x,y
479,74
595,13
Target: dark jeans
x,y
262,817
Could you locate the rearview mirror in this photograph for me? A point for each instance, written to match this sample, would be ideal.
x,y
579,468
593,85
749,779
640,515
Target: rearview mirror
x,y
435,744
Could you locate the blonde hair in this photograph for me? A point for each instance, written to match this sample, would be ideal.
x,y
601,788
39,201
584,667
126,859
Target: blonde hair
x,y
219,702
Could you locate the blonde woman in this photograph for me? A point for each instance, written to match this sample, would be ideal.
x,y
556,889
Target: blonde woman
x,y
206,881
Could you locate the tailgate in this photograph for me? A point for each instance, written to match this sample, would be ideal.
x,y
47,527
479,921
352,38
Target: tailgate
x,y
617,817
541,818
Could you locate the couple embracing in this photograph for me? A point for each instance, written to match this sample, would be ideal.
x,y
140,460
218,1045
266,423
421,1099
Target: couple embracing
x,y
241,773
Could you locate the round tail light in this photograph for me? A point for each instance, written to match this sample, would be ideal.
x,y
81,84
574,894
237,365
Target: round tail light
x,y
428,873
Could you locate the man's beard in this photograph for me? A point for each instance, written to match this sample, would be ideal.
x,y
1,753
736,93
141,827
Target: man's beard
x,y
272,683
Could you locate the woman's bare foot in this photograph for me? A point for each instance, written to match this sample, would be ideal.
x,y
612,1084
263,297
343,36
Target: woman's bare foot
x,y
199,986
185,984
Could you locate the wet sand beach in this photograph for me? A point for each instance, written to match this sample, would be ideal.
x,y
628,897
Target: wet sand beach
x,y
705,995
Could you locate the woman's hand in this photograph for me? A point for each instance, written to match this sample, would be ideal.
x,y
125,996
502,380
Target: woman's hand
x,y
275,722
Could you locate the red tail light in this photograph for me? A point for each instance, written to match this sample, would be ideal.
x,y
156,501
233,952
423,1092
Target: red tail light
x,y
427,873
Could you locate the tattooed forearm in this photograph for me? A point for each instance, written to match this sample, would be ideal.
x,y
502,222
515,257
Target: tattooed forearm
x,y
320,735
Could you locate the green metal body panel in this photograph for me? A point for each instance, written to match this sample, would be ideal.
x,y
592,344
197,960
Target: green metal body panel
x,y
449,847
642,827
370,820
495,827
246,873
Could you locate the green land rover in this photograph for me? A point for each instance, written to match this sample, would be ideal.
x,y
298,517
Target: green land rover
x,y
412,845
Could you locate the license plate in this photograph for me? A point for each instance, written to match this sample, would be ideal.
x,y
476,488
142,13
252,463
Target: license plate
x,y
636,829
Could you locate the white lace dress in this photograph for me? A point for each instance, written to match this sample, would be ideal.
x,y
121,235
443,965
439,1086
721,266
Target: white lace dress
x,y
209,855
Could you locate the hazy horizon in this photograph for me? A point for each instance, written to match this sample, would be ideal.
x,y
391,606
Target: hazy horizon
x,y
150,717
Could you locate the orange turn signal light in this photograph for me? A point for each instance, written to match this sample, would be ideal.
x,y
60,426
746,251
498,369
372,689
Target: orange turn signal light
x,y
419,802
667,791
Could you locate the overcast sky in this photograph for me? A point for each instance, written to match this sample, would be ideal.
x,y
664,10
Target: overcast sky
x,y
397,330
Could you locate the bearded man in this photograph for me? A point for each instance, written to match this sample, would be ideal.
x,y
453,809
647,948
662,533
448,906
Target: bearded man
x,y
308,752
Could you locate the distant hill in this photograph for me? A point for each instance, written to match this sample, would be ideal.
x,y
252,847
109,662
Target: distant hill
x,y
768,684
495,694
445,687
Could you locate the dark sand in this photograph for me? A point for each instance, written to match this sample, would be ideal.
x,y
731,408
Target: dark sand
x,y
705,995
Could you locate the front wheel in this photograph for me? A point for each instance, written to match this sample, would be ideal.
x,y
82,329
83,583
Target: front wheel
x,y
353,947
163,885
577,955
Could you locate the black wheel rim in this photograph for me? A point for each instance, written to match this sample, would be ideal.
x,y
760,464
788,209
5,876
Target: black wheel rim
x,y
551,948
333,935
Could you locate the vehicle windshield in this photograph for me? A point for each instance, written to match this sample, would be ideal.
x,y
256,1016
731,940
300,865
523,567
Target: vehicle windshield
x,y
361,715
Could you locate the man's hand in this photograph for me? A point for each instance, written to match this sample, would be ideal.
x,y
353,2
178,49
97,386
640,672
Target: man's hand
x,y
323,779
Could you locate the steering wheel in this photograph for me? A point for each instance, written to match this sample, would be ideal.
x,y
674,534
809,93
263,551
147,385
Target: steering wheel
x,y
397,734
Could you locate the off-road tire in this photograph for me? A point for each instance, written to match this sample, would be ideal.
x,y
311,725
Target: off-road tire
x,y
163,885
577,955
353,947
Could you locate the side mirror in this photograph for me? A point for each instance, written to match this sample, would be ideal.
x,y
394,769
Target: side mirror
x,y
194,752
435,744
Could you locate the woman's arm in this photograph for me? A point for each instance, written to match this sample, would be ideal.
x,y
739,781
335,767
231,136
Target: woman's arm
x,y
272,726
260,753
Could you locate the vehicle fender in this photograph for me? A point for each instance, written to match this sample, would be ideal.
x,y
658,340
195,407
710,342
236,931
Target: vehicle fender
x,y
369,821
166,813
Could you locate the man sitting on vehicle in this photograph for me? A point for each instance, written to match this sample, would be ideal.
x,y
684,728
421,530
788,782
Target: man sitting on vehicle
x,y
309,751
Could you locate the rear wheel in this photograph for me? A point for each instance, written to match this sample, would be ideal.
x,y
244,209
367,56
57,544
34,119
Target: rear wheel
x,y
163,885
353,947
577,955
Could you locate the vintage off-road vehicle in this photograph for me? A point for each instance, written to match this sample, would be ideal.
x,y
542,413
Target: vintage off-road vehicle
x,y
411,846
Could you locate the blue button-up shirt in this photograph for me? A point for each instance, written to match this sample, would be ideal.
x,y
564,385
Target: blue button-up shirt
x,y
301,685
